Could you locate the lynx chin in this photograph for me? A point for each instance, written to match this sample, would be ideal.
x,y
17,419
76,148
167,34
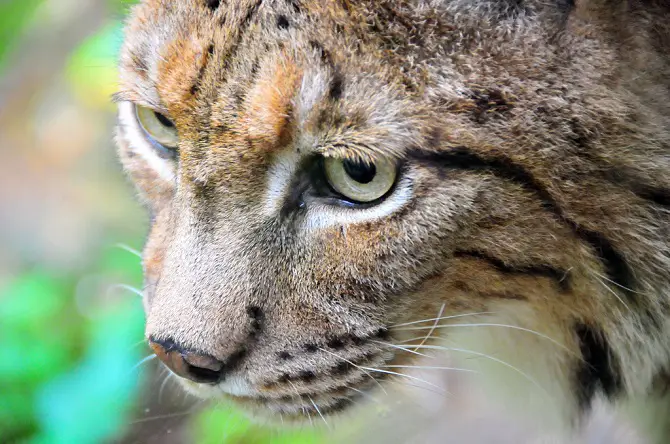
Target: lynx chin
x,y
341,189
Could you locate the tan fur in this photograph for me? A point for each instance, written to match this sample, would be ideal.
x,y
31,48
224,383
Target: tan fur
x,y
562,111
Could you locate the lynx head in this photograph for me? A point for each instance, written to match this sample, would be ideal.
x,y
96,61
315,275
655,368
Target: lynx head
x,y
326,178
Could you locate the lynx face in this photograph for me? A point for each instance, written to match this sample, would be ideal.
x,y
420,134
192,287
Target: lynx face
x,y
326,178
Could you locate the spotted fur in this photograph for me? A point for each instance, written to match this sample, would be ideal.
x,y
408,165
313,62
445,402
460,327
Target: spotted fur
x,y
533,139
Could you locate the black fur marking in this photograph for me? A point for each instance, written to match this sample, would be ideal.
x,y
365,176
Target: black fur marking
x,y
561,277
324,55
616,175
358,340
282,22
257,316
213,4
255,312
461,158
336,343
295,4
489,103
285,356
616,267
283,379
343,368
233,360
659,196
195,88
251,13
198,80
383,334
567,5
599,371
336,86
312,177
339,405
307,376
311,348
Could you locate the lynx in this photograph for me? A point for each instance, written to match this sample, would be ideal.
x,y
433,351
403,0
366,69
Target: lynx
x,y
339,190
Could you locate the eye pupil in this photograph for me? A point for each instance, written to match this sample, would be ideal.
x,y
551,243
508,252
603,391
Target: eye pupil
x,y
359,171
164,120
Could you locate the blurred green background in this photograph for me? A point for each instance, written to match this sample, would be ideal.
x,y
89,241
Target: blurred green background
x,y
71,325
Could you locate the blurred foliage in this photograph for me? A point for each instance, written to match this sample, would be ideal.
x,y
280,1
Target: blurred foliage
x,y
71,343
52,357
14,14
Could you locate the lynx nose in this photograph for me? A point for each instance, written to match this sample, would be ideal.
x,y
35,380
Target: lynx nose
x,y
188,364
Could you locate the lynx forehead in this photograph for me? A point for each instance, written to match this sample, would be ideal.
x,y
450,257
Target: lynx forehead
x,y
336,187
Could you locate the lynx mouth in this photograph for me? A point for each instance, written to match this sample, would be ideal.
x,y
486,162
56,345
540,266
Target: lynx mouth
x,y
301,407
306,395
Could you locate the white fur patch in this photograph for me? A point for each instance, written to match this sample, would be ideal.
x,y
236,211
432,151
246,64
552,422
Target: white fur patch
x,y
280,176
236,386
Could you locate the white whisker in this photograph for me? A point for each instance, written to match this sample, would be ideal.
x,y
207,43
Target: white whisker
x,y
367,395
143,361
440,391
168,416
388,372
437,321
484,355
302,407
129,288
614,293
513,327
423,367
357,366
164,384
414,352
129,249
444,317
615,283
416,338
316,407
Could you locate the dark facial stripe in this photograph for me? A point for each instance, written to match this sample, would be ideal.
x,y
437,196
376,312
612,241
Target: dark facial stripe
x,y
616,175
616,268
561,277
198,80
658,196
251,12
599,370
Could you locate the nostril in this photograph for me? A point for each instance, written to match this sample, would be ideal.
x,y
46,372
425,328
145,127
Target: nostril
x,y
203,362
204,375
197,367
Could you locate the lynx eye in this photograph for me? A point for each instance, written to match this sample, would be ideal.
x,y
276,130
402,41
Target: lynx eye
x,y
158,127
360,181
